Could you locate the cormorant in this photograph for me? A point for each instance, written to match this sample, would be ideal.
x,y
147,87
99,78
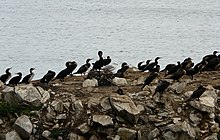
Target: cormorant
x,y
120,72
197,93
152,65
27,79
84,67
15,80
150,78
187,63
200,66
62,74
174,69
156,69
168,67
142,67
210,56
212,64
177,75
99,63
5,77
162,86
106,61
48,77
71,65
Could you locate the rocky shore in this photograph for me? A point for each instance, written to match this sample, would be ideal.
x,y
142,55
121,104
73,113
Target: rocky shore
x,y
81,109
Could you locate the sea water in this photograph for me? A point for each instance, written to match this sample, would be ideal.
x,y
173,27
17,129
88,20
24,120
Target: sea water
x,y
44,34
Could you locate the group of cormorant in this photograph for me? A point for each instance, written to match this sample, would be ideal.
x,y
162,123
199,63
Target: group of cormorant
x,y
176,71
172,71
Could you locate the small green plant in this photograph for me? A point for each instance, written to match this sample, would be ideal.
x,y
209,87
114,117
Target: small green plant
x,y
5,109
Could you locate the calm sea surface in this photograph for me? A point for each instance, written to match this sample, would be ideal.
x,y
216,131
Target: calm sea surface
x,y
46,33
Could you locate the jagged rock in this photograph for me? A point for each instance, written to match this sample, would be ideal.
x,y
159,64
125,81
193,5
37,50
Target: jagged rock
x,y
57,105
153,134
66,105
46,134
11,97
178,87
1,122
214,136
61,117
105,130
175,127
103,120
78,106
2,84
12,136
215,128
195,117
93,102
170,136
90,83
189,130
23,126
127,134
206,104
120,81
150,89
105,104
125,107
84,128
50,114
140,80
117,137
73,136
45,95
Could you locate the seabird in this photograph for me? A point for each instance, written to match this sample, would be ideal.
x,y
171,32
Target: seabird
x,y
99,63
15,80
5,77
27,79
48,77
84,68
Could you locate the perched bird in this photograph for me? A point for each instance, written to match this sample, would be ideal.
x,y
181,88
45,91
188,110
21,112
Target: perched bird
x,y
212,64
187,63
120,72
156,69
200,66
150,78
168,67
99,63
174,69
48,77
27,79
106,61
15,80
62,74
5,77
163,85
142,67
84,67
197,93
110,67
177,75
152,65
210,56
71,65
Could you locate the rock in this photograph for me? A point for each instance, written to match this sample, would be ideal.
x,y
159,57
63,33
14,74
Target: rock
x,y
46,134
2,85
23,126
1,122
57,105
170,136
206,104
214,136
105,104
153,134
127,134
140,80
215,128
12,136
103,120
178,87
105,130
84,128
50,114
90,83
61,117
125,107
120,81
11,97
78,106
195,117
1,97
73,136
190,132
93,102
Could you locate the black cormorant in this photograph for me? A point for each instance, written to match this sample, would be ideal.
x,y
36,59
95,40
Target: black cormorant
x,y
15,80
71,65
120,72
84,67
106,61
174,69
210,56
197,93
152,65
150,78
187,63
162,86
27,79
168,67
177,75
48,77
212,64
99,63
156,69
5,77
